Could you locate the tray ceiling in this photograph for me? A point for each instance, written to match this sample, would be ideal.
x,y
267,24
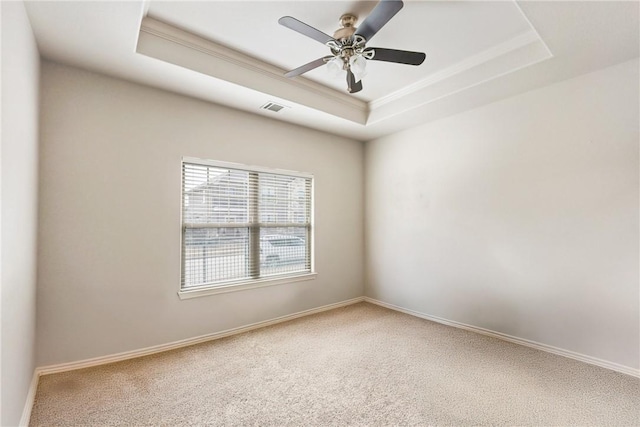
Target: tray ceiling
x,y
448,32
234,53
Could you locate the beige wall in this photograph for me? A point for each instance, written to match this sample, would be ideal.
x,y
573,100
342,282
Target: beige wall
x,y
109,266
520,216
19,178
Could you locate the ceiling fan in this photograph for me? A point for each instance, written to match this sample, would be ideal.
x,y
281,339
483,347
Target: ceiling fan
x,y
348,44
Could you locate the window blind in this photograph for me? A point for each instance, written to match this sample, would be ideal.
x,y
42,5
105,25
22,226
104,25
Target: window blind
x,y
243,224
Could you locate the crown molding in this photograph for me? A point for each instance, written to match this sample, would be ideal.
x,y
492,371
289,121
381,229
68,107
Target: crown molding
x,y
464,65
168,43
171,44
533,28
509,57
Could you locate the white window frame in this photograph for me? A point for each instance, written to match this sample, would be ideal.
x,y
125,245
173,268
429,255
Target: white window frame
x,y
249,283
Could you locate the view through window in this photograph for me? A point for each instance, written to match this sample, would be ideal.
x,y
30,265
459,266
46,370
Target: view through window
x,y
241,224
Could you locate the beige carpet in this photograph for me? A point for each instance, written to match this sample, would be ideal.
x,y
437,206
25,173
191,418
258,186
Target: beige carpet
x,y
359,365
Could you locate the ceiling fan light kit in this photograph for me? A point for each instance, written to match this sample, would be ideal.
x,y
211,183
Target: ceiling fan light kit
x,y
335,66
358,65
348,45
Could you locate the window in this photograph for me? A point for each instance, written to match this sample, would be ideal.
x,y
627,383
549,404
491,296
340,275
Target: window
x,y
243,225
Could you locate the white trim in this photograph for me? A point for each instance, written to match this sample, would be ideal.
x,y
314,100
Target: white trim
x,y
510,338
243,167
174,45
526,18
31,397
493,52
401,110
144,9
244,285
189,40
103,360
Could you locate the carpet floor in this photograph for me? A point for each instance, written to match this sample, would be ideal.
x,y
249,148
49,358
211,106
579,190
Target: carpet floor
x,y
358,365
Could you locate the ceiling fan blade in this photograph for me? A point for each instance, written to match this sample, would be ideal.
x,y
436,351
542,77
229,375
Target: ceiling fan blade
x,y
304,29
308,67
352,86
379,16
399,56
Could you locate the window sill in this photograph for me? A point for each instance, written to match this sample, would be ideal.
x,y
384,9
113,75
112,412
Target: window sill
x,y
241,286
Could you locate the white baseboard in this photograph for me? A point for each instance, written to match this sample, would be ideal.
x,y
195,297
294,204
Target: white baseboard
x,y
102,360
533,344
63,367
31,397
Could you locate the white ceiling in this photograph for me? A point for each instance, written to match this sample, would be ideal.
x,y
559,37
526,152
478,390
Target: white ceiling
x,y
448,32
477,52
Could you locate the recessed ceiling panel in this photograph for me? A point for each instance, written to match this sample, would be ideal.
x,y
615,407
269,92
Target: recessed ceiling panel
x,y
477,52
447,31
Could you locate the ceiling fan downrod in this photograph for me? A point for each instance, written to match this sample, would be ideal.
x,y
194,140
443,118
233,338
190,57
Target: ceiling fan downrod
x,y
348,22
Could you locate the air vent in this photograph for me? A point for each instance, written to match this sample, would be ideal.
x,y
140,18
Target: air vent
x,y
272,106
